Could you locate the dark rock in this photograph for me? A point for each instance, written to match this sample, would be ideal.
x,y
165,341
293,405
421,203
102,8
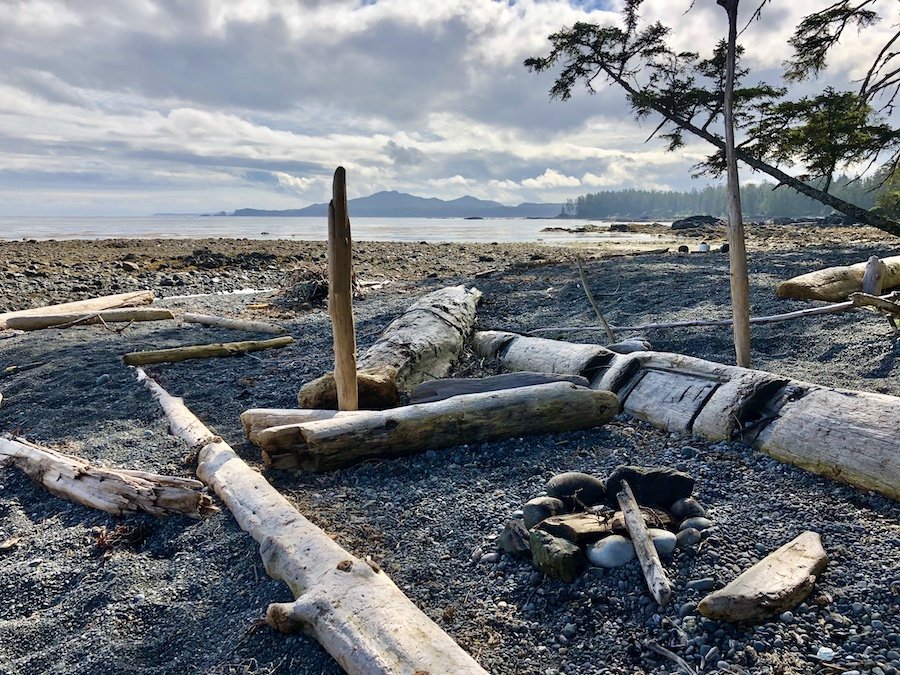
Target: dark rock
x,y
688,537
514,538
575,489
683,249
688,508
657,486
695,221
698,523
541,508
556,557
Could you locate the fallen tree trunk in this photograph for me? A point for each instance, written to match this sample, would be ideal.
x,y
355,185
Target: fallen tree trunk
x,y
204,351
848,436
834,284
233,324
344,440
353,609
422,343
116,491
85,306
41,321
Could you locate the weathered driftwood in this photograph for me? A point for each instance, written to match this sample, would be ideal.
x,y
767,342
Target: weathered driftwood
x,y
886,304
116,491
204,351
587,527
233,324
654,574
340,295
344,440
590,297
352,608
255,420
849,436
421,344
777,583
834,284
441,388
545,356
873,277
82,307
126,315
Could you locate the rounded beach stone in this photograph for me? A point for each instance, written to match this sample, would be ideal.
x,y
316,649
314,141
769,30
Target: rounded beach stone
x,y
652,485
612,551
541,508
698,523
688,537
688,508
574,485
663,540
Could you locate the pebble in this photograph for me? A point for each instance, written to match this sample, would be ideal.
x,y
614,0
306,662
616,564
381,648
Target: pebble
x,y
688,537
574,485
103,379
787,617
663,541
689,452
825,653
688,508
612,551
490,557
704,584
541,508
697,523
138,598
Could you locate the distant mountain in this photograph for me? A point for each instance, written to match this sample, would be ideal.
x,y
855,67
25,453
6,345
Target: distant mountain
x,y
395,204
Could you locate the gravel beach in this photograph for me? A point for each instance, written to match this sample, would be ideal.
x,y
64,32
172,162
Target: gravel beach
x,y
182,596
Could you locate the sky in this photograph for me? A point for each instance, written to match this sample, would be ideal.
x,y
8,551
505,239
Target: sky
x,y
133,107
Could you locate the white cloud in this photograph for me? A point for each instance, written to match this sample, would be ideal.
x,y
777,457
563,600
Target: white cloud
x,y
551,179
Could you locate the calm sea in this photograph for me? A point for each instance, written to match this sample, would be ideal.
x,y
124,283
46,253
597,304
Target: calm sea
x,y
364,229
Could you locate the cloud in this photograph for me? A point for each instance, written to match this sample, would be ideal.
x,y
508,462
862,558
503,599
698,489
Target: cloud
x,y
551,179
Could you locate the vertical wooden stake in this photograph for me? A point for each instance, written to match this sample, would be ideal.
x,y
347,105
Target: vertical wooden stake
x,y
340,294
873,278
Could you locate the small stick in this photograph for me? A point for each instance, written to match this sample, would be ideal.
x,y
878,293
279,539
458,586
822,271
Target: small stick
x,y
340,295
654,574
662,651
204,351
590,297
234,324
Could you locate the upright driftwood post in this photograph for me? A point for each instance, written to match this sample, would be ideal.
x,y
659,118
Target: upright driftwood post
x,y
873,277
740,285
340,294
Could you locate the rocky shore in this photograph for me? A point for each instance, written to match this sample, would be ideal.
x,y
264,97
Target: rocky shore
x,y
82,592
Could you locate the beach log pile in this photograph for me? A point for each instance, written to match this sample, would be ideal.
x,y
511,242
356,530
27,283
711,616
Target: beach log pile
x,y
849,436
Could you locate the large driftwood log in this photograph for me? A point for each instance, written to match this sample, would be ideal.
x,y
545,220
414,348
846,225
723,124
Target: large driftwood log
x,y
777,583
441,388
344,440
127,315
116,491
85,306
353,609
538,354
421,344
204,351
834,284
233,324
848,436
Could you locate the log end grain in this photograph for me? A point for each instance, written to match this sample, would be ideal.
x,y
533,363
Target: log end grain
x,y
377,391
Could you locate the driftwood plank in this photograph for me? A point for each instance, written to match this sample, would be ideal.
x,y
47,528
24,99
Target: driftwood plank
x,y
219,349
439,389
354,610
777,583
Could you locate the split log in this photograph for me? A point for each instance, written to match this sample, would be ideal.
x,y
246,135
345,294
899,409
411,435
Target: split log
x,y
255,420
116,491
654,574
537,354
834,284
777,583
41,321
421,344
85,306
848,436
342,441
204,351
351,607
439,389
233,324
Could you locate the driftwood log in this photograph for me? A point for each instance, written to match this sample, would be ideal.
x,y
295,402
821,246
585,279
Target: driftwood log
x,y
834,284
233,324
82,307
349,438
441,388
849,436
654,574
204,351
256,420
116,491
777,583
352,608
125,315
421,344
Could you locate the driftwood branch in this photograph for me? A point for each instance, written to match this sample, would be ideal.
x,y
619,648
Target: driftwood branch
x,y
204,351
882,304
587,291
654,574
116,491
233,324
84,306
127,315
353,609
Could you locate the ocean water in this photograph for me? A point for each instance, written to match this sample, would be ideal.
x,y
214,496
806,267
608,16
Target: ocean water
x,y
310,229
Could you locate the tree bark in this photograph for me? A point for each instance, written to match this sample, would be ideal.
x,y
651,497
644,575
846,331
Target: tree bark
x,y
233,324
116,491
344,440
422,343
352,608
204,351
834,284
85,306
42,321
340,295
